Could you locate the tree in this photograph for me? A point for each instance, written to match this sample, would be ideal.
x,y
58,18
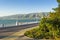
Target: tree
x,y
49,27
58,1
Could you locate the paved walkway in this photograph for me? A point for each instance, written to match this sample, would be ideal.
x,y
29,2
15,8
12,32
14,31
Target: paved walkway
x,y
18,35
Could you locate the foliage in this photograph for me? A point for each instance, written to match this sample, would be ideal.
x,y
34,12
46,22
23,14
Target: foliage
x,y
58,1
49,27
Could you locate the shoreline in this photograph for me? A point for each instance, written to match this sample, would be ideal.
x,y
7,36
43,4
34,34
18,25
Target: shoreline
x,y
16,24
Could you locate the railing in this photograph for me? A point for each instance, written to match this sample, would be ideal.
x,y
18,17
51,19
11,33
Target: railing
x,y
16,24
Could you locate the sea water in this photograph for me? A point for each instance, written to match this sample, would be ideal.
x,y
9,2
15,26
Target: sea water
x,y
8,23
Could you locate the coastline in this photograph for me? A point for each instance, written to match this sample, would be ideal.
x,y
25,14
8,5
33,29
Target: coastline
x,y
16,24
19,25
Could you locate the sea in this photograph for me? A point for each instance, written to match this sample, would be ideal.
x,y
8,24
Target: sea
x,y
8,23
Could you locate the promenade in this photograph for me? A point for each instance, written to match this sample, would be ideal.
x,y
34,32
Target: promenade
x,y
16,32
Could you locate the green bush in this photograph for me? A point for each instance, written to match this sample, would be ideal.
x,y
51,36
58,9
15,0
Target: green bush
x,y
49,27
34,33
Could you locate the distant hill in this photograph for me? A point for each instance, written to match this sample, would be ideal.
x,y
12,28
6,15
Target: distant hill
x,y
25,16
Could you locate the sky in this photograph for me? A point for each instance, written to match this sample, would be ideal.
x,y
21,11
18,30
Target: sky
x,y
12,7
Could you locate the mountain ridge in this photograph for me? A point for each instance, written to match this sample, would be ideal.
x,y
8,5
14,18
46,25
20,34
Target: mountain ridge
x,y
25,16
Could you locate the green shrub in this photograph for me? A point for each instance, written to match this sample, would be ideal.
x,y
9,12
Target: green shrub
x,y
49,27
